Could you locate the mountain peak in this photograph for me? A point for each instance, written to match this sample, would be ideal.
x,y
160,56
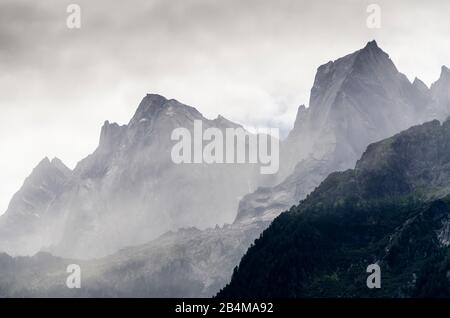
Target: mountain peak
x,y
301,113
59,165
418,81
445,72
150,105
372,45
43,163
224,122
441,85
301,109
373,50
47,166
370,63
42,167
155,98
154,105
420,85
56,161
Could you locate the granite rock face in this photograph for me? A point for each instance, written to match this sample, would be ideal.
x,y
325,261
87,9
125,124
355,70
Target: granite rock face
x,y
30,210
356,100
128,191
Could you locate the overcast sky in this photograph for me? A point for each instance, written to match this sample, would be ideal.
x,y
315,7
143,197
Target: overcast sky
x,y
252,61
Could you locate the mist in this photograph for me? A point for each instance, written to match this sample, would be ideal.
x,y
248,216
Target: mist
x,y
251,61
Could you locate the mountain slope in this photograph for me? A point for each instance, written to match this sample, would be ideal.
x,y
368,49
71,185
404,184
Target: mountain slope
x,y
129,190
356,100
131,180
392,209
186,263
30,222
